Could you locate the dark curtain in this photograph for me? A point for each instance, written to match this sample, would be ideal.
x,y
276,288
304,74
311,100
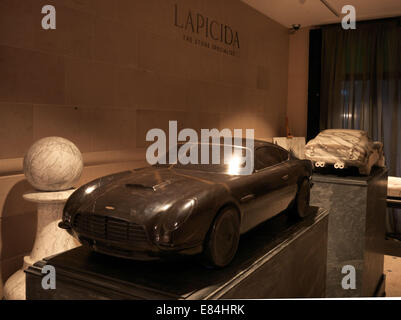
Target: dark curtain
x,y
361,83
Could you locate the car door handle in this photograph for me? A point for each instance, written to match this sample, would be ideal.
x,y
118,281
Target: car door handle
x,y
285,178
247,198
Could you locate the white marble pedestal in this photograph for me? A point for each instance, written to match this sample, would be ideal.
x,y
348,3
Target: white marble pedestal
x,y
294,144
50,239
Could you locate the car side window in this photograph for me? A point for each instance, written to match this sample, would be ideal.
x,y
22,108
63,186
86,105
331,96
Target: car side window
x,y
269,156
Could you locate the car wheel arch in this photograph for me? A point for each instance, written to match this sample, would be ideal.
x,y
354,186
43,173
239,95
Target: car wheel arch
x,y
227,205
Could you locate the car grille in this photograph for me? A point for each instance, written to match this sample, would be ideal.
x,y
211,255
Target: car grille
x,y
107,228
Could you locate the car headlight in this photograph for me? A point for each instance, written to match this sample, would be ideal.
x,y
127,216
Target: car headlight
x,y
65,223
66,217
178,215
67,212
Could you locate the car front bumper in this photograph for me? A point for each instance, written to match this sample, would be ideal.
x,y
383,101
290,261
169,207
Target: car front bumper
x,y
142,251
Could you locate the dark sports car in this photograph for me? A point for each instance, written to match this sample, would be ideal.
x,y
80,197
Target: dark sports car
x,y
187,209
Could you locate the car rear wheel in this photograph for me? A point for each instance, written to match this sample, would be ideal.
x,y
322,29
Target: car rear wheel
x,y
222,241
302,199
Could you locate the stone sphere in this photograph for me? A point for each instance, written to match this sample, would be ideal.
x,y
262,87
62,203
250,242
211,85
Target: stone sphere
x,y
53,164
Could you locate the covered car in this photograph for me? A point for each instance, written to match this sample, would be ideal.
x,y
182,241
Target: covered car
x,y
342,148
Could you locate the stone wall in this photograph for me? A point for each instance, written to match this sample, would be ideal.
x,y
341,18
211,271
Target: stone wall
x,y
113,70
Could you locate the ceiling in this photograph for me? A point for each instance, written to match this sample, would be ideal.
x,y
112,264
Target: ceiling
x,y
314,12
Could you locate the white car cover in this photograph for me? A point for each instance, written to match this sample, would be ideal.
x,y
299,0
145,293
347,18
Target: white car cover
x,y
345,148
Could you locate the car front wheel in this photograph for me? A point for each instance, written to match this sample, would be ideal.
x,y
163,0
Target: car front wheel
x,y
222,240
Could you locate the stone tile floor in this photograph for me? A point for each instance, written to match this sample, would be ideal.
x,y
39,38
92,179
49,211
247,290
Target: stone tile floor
x,y
392,270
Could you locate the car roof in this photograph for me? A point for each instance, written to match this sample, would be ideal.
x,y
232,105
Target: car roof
x,y
261,143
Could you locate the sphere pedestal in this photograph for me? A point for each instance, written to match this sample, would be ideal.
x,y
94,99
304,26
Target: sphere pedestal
x,y
50,239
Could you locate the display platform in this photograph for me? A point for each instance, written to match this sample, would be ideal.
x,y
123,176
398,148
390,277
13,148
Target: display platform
x,y
393,235
357,207
284,257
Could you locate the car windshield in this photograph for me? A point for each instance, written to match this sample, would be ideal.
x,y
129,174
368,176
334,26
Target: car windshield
x,y
218,158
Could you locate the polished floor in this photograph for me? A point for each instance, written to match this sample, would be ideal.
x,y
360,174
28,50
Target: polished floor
x,y
392,270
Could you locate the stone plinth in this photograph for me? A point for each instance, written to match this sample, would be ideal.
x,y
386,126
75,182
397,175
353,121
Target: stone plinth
x,y
278,259
357,207
50,239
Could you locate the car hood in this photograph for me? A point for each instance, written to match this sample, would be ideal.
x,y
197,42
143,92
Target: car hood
x,y
143,194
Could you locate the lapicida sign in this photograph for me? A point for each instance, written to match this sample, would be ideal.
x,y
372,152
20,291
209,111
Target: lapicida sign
x,y
197,23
